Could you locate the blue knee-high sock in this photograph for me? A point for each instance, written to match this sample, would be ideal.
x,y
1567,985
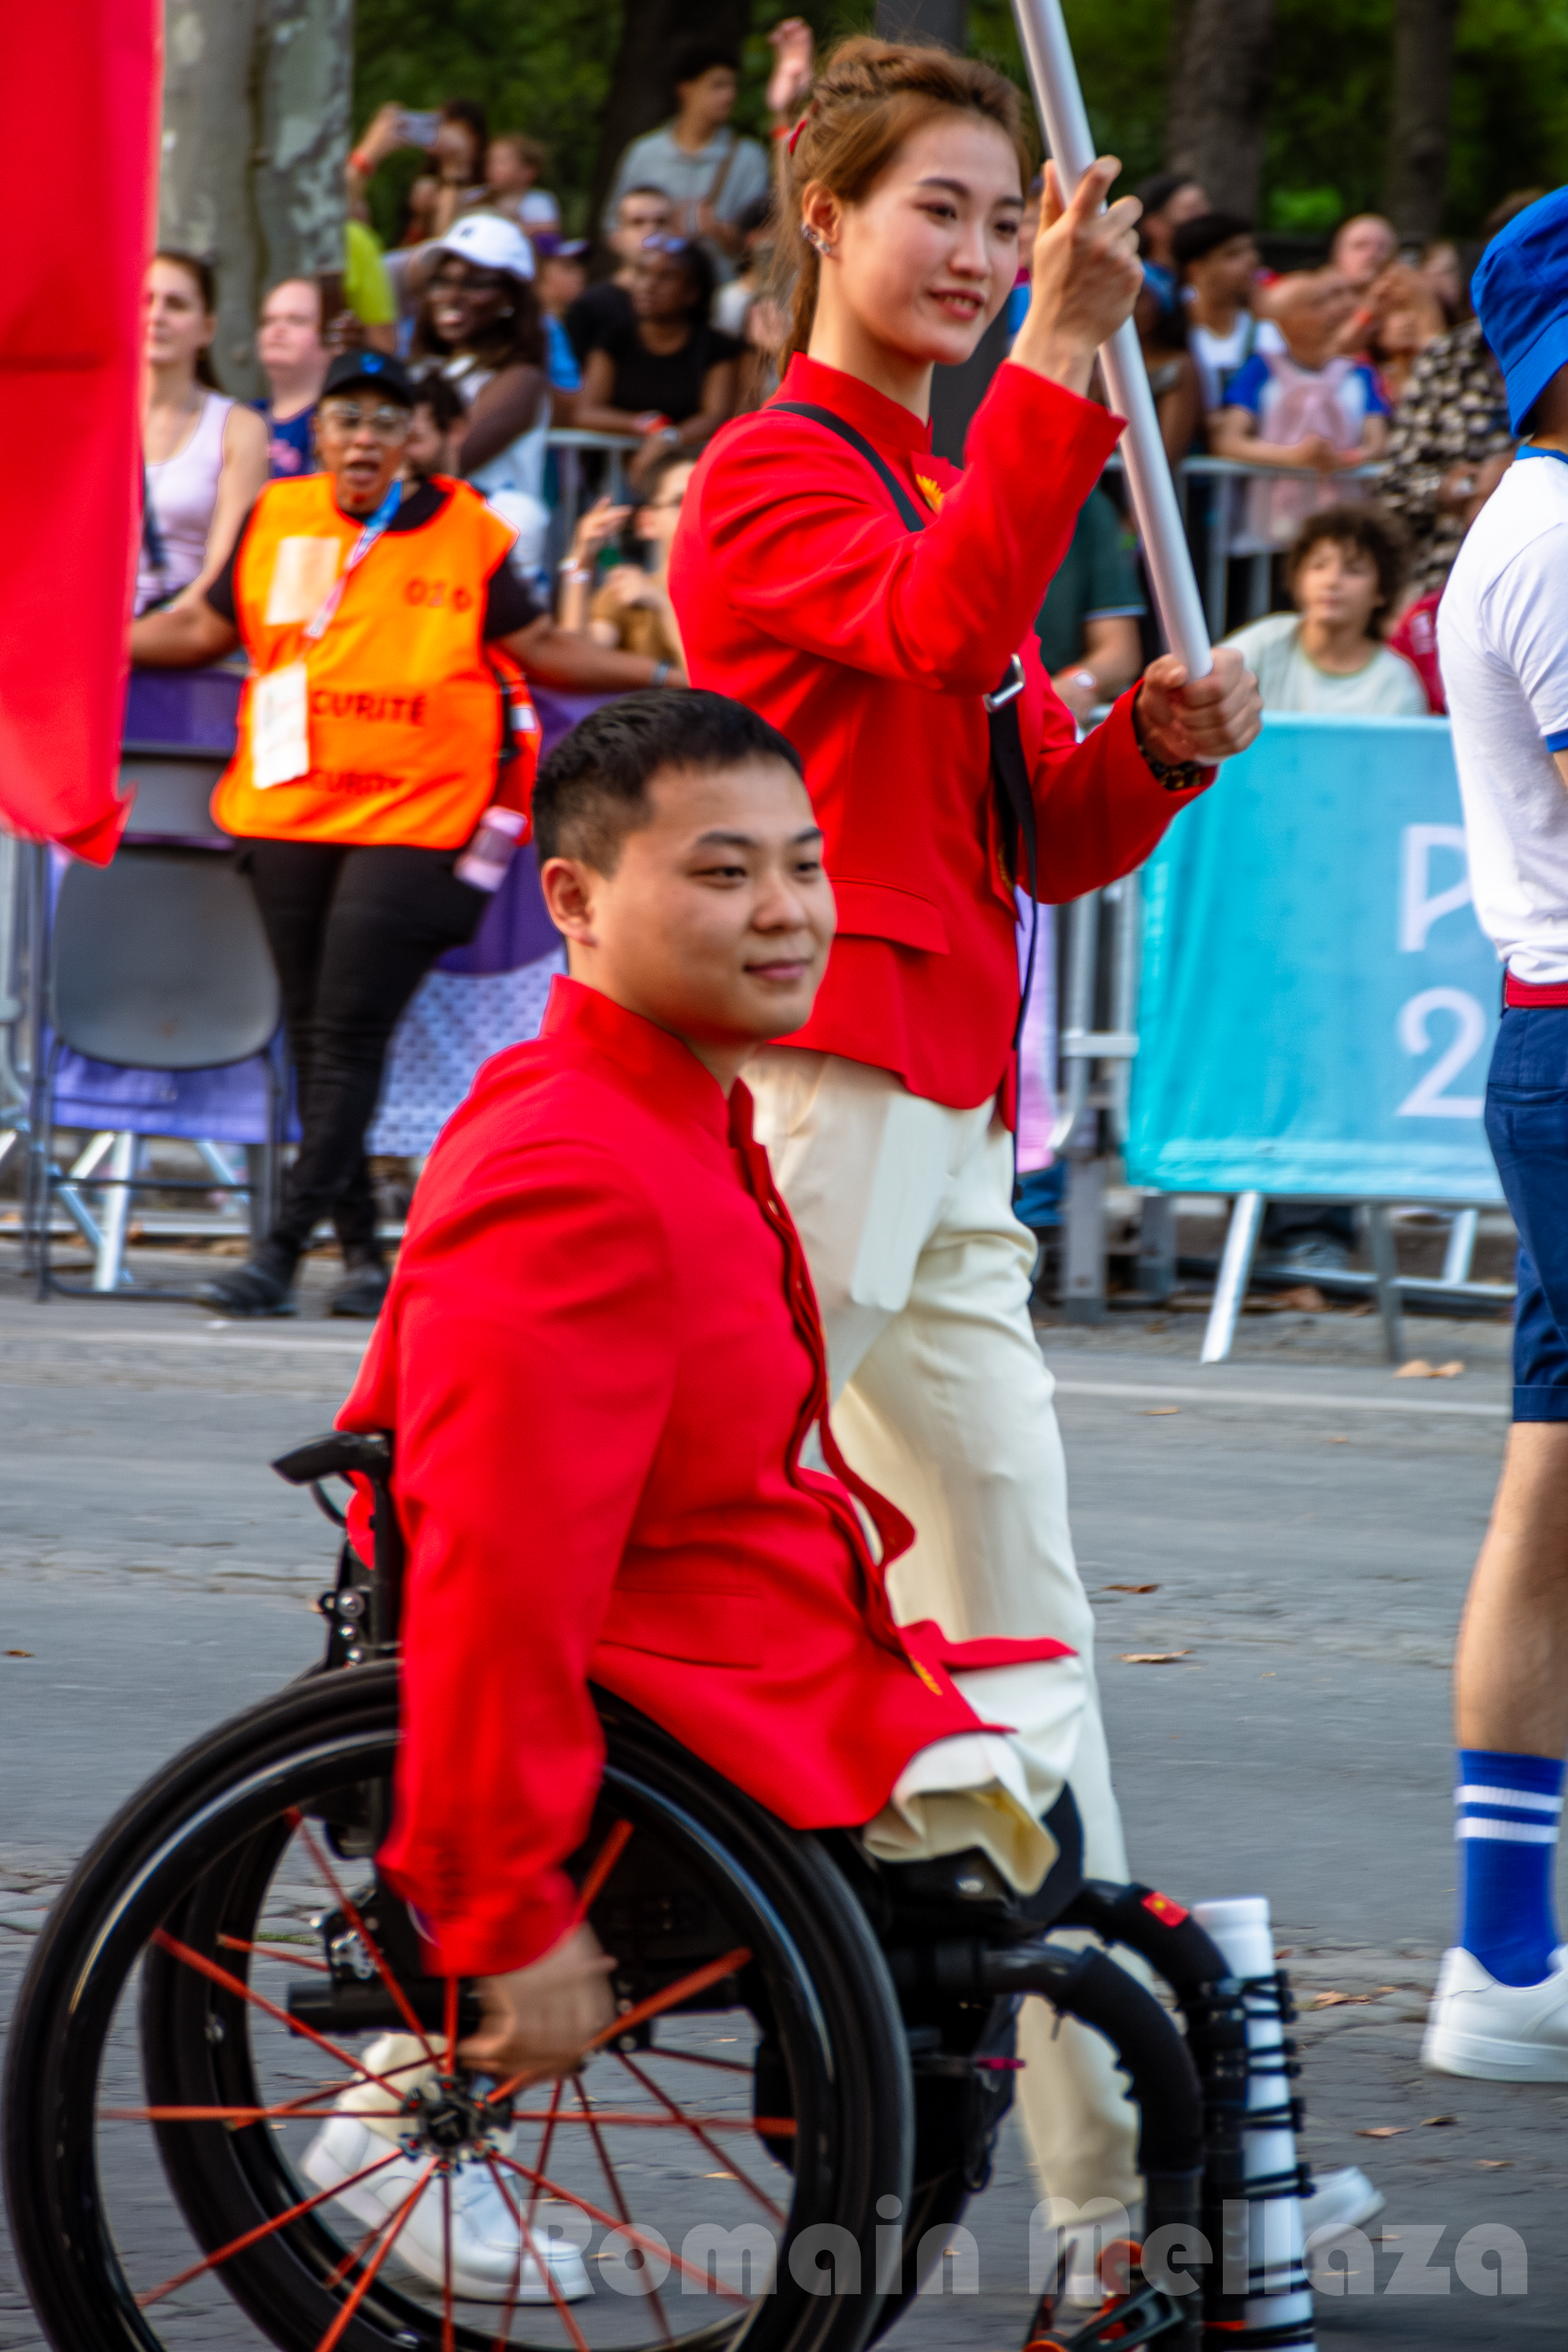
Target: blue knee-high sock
x,y
1506,1813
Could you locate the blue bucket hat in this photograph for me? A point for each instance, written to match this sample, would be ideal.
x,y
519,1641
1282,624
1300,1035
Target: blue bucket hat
x,y
1521,293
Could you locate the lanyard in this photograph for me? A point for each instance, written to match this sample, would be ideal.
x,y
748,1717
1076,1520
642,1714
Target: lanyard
x,y
357,553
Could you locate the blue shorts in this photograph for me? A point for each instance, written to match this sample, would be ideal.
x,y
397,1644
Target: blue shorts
x,y
1527,1127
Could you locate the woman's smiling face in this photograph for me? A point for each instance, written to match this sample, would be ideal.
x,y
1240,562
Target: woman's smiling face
x,y
929,255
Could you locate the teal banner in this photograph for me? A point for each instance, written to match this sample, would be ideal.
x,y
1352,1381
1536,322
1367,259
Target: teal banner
x,y
1318,1002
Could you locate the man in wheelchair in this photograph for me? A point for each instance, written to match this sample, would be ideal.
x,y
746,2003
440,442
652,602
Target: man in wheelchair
x,y
601,1360
603,1364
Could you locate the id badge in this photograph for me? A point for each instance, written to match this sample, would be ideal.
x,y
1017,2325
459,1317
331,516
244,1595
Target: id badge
x,y
280,727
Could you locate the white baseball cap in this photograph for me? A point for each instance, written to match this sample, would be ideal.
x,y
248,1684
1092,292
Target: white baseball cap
x,y
489,242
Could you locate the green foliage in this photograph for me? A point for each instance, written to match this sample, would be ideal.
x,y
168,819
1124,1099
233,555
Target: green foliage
x,y
545,67
1304,211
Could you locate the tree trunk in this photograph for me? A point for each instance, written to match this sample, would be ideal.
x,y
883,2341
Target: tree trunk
x,y
641,96
255,131
1418,132
1220,73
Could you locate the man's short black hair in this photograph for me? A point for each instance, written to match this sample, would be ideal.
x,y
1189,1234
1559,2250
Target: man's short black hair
x,y
695,57
440,395
1194,240
592,790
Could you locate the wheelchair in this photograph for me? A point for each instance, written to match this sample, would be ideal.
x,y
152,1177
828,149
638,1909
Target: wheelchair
x,y
810,2061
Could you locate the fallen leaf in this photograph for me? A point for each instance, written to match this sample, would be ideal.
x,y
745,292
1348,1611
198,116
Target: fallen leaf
x,y
1129,1588
1448,1371
1431,2122
18,1653
1305,1297
1339,2000
1159,1412
1383,2131
1152,1657
1336,1440
1417,1369
1495,2163
1284,1951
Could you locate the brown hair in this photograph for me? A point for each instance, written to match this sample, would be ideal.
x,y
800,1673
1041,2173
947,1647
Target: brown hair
x,y
868,99
1372,529
526,150
204,278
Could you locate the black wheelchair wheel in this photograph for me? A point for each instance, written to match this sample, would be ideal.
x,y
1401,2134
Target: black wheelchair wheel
x,y
712,2173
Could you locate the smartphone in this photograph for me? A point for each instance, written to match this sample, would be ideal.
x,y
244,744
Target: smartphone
x,y
419,128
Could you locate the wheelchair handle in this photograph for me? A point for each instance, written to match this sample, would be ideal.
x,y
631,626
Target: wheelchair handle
x,y
339,1454
349,1454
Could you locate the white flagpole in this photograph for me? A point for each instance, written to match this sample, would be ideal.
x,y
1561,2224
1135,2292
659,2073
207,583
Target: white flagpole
x,y
1176,600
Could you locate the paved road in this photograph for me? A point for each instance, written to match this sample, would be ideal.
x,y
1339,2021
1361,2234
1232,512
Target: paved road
x,y
1308,1524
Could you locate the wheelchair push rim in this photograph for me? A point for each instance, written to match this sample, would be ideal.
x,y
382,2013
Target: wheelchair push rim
x,y
162,2110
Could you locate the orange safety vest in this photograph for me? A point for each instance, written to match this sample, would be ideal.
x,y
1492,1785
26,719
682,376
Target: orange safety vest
x,y
416,727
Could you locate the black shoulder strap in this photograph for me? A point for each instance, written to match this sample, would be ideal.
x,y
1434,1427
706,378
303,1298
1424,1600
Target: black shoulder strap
x,y
1009,769
910,514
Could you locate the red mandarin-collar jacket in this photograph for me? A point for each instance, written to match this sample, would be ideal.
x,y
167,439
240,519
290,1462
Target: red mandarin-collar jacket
x,y
801,592
599,1357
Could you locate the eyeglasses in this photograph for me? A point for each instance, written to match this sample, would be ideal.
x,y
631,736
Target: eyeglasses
x,y
387,422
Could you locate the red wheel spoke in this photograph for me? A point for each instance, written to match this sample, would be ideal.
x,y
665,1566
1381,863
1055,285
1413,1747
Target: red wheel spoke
x,y
203,1967
613,2182
695,2058
563,2309
628,2229
550,2119
701,2134
635,2119
605,1860
346,1903
253,2237
335,2332
655,2005
271,1952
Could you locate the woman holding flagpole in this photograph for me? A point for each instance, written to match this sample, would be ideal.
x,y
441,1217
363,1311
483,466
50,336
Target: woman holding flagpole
x,y
876,604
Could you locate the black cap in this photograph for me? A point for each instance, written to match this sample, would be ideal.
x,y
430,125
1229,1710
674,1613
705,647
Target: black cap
x,y
373,369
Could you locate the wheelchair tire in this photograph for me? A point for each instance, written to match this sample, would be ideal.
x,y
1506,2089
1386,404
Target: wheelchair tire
x,y
156,1980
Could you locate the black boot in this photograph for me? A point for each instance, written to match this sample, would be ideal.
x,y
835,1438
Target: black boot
x,y
263,1286
362,1291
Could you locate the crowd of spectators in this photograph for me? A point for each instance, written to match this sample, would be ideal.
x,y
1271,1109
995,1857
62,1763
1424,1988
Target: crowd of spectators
x,y
1355,395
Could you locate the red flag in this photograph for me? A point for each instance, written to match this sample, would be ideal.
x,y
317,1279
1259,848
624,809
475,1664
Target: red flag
x,y
81,189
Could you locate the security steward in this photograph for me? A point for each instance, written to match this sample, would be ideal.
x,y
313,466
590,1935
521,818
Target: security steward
x,y
384,715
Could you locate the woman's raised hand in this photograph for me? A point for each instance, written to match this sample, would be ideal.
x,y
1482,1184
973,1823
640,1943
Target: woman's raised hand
x,y
595,529
1085,279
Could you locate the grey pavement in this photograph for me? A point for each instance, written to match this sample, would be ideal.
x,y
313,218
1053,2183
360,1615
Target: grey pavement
x,y
1308,1524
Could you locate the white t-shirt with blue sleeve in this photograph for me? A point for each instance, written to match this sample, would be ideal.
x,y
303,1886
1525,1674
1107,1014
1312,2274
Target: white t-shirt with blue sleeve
x,y
1502,644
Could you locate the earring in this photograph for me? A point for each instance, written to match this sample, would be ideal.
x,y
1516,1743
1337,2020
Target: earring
x,y
815,238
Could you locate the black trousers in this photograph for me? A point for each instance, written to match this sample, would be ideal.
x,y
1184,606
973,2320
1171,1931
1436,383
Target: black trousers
x,y
353,932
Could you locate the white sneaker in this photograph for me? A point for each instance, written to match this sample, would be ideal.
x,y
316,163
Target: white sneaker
x,y
1498,2032
484,2234
1339,2201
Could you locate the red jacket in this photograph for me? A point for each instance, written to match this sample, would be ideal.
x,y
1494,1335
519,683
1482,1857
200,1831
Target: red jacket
x,y
801,592
599,1355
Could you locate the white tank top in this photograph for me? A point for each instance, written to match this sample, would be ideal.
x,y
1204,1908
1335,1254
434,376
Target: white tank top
x,y
182,493
520,466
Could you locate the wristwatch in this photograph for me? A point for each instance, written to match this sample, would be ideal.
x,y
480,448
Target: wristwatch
x,y
1177,775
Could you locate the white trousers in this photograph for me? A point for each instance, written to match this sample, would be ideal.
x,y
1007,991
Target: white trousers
x,y
941,1401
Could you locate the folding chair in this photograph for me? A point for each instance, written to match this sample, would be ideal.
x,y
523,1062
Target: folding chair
x,y
157,962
